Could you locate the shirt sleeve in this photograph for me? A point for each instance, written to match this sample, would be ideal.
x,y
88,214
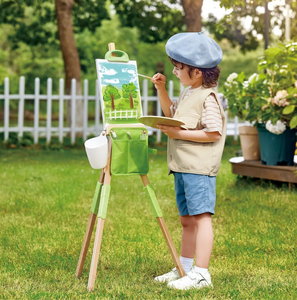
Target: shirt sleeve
x,y
211,120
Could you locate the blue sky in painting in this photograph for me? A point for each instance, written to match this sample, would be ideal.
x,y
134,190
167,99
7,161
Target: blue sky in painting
x,y
118,74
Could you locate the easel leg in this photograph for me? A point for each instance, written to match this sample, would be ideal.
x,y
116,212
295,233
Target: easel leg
x,y
159,215
90,227
104,197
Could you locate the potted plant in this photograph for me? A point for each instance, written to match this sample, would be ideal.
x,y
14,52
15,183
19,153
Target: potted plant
x,y
245,101
269,101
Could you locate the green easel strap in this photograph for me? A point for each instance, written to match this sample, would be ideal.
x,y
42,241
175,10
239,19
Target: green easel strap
x,y
150,193
104,197
96,199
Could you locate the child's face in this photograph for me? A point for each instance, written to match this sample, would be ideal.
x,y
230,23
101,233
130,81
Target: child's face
x,y
183,75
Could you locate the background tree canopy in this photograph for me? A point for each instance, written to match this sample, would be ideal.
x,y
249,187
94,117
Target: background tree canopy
x,y
233,28
156,20
34,21
29,44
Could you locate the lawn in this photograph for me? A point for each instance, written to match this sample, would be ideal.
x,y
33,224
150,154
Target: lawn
x,y
45,202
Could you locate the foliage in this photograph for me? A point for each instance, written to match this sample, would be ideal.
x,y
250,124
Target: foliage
x,y
45,61
236,61
233,27
156,20
269,96
34,22
111,93
16,142
129,89
129,92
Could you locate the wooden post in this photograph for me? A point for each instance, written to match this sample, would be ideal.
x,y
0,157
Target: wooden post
x,y
111,46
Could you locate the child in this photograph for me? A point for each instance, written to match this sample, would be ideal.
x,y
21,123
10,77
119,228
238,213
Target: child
x,y
194,152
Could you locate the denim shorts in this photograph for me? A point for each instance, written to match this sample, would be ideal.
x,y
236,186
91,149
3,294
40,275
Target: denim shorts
x,y
195,194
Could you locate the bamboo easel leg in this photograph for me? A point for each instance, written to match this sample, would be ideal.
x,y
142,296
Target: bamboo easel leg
x,y
102,211
90,227
159,215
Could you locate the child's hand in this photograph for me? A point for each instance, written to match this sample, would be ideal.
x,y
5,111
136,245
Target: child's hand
x,y
170,131
159,80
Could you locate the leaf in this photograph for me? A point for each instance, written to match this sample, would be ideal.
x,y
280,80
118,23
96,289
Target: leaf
x,y
288,109
273,51
240,77
293,122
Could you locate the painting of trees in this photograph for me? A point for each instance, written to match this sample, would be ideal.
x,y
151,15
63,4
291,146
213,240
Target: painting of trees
x,y
129,92
111,93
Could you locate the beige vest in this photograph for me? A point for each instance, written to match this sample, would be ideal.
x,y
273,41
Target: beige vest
x,y
194,157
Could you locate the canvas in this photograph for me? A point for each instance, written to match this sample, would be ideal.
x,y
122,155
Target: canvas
x,y
119,91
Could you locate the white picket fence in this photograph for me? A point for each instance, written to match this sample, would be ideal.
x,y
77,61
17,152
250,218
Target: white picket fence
x,y
61,131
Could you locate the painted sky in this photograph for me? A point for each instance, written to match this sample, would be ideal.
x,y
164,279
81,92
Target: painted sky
x,y
118,74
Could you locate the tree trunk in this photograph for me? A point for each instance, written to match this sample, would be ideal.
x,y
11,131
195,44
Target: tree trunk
x,y
112,102
192,9
131,101
70,56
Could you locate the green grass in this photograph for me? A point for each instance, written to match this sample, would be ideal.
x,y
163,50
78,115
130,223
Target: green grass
x,y
45,201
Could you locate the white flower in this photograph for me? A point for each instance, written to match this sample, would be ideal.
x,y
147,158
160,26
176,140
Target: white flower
x,y
255,75
278,128
264,62
231,77
271,72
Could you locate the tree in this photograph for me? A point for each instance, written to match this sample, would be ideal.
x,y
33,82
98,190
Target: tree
x,y
192,10
155,19
232,25
111,93
130,92
158,20
41,22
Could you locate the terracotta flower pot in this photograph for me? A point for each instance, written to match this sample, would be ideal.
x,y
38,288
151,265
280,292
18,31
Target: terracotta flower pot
x,y
249,141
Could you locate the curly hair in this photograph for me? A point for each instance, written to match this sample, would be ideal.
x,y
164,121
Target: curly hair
x,y
210,75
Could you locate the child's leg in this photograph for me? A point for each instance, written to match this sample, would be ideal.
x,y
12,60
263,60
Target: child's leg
x,y
197,236
197,228
204,240
189,233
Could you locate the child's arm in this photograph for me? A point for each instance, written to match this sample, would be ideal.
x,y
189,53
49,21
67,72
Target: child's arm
x,y
190,135
159,79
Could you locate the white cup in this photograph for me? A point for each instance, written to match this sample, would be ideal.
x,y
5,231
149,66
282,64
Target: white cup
x,y
97,151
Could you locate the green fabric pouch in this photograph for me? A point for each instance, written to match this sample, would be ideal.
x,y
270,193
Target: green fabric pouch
x,y
129,151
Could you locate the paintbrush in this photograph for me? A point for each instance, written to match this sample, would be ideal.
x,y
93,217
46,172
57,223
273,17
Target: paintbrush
x,y
149,77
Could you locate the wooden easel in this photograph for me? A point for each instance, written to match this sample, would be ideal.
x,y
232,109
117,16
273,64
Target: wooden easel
x,y
99,207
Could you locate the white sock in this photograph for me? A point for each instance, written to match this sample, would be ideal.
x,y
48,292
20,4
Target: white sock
x,y
200,270
187,263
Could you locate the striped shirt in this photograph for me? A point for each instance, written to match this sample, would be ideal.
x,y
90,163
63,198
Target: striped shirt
x,y
211,119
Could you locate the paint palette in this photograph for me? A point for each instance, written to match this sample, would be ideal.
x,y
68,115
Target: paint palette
x,y
153,121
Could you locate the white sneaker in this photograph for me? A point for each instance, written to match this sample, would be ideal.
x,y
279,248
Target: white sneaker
x,y
192,280
168,277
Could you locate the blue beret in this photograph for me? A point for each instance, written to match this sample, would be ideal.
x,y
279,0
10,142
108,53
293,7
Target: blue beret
x,y
194,49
